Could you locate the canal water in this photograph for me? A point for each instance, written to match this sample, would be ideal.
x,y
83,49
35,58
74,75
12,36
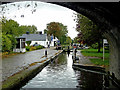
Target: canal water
x,y
60,74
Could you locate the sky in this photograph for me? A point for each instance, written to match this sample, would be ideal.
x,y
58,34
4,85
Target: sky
x,y
44,14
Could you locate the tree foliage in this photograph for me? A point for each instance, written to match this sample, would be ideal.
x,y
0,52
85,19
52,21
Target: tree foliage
x,y
58,30
31,29
10,27
68,40
6,43
10,30
89,32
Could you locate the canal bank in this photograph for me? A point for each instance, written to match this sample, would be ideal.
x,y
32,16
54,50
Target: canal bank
x,y
82,63
20,78
60,75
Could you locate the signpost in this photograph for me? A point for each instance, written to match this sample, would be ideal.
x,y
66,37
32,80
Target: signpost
x,y
105,42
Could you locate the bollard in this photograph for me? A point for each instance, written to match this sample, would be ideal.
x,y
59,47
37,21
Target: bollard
x,y
68,47
74,55
75,52
45,53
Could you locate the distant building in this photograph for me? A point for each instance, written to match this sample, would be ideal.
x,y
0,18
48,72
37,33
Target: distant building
x,y
20,47
36,39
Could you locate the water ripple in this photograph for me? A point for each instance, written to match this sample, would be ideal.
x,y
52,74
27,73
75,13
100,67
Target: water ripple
x,y
58,74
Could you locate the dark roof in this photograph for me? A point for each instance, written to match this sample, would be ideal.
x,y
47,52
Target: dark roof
x,y
34,37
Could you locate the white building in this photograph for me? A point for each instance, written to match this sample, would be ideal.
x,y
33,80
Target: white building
x,y
39,39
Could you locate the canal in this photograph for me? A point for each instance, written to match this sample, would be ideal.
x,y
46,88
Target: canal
x,y
60,74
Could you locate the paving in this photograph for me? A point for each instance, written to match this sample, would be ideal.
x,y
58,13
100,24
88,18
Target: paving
x,y
19,62
83,60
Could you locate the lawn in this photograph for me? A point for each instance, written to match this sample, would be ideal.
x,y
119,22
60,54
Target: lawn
x,y
99,61
95,57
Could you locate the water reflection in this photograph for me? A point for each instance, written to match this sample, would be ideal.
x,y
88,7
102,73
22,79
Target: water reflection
x,y
61,60
58,74
89,80
68,52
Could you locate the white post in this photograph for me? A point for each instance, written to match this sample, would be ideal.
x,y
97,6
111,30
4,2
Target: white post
x,y
20,45
103,50
104,42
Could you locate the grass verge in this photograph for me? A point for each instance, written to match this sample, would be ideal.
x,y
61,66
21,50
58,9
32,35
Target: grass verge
x,y
8,54
95,57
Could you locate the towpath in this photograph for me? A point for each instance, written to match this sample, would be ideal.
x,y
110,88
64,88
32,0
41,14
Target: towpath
x,y
82,59
16,63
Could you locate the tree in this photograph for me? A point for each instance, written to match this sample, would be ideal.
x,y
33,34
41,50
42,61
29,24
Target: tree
x,y
63,39
6,43
58,30
68,40
10,27
31,29
45,31
89,32
11,30
75,40
53,28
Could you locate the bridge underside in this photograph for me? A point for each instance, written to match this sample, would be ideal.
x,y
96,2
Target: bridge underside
x,y
107,17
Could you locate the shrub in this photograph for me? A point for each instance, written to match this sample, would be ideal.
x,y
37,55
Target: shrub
x,y
95,46
28,43
6,44
32,48
5,53
63,46
27,48
39,47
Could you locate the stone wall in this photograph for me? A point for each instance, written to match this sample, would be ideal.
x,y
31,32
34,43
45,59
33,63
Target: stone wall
x,y
106,16
113,37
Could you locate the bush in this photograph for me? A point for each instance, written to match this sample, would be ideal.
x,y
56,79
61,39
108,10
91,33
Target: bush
x,y
63,46
6,44
32,48
5,53
28,43
39,47
95,46
27,48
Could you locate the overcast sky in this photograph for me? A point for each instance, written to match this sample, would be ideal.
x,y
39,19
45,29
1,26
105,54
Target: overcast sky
x,y
44,14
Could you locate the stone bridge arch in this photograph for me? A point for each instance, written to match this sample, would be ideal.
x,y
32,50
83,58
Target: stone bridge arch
x,y
106,15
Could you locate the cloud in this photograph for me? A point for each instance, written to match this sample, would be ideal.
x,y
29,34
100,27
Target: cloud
x,y
45,13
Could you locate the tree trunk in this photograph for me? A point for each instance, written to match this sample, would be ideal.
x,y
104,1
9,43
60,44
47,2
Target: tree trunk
x,y
99,46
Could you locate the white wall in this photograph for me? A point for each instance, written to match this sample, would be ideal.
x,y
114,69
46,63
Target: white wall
x,y
43,43
52,43
19,50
